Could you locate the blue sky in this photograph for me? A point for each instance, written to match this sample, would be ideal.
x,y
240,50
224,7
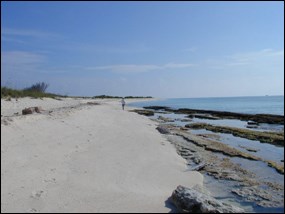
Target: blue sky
x,y
161,49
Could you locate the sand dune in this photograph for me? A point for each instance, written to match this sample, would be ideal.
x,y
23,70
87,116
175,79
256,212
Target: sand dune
x,y
90,158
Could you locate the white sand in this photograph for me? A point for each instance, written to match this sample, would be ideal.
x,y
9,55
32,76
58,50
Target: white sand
x,y
86,159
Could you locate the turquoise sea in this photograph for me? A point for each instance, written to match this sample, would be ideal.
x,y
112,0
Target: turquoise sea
x,y
250,105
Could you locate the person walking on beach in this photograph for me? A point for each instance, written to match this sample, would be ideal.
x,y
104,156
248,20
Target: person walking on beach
x,y
123,103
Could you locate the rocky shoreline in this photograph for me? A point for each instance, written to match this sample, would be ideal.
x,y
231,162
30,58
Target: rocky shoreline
x,y
258,118
207,154
276,138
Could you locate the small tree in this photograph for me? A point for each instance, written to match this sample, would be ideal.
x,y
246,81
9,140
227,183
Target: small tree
x,y
39,87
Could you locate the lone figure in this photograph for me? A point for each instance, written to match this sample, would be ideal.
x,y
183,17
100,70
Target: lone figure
x,y
123,103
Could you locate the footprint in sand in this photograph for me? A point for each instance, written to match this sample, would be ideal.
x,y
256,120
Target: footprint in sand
x,y
37,194
51,180
32,210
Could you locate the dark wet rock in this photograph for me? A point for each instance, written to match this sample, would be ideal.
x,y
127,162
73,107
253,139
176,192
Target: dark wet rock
x,y
163,112
258,118
158,108
165,119
163,130
191,116
143,112
186,120
276,138
252,123
252,126
206,116
193,201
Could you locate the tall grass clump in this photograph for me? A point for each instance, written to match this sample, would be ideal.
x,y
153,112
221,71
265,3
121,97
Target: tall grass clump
x,y
36,91
8,92
38,87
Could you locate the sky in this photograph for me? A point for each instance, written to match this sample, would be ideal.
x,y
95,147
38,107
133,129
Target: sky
x,y
160,49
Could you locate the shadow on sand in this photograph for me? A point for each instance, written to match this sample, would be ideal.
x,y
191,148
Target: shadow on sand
x,y
171,206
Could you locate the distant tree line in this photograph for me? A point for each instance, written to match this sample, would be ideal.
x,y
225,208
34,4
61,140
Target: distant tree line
x,y
127,97
38,90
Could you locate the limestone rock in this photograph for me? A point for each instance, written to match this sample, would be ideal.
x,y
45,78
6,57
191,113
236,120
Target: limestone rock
x,y
143,112
193,201
31,110
93,103
165,119
163,130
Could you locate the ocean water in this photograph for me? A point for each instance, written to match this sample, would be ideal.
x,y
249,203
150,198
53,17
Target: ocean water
x,y
250,105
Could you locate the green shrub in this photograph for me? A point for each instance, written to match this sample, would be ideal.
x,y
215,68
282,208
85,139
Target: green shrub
x,y
36,91
38,87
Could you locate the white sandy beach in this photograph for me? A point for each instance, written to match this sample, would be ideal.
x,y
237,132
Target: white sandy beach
x,y
89,158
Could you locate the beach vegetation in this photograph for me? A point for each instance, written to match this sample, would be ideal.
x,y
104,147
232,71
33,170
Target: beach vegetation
x,y
35,91
38,87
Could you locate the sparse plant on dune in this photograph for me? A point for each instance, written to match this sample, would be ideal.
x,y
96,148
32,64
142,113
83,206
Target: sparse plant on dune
x,y
39,87
36,91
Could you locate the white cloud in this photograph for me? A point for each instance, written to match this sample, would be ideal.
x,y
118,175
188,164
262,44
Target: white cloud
x,y
133,68
261,59
104,48
175,65
27,33
19,58
253,57
126,68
